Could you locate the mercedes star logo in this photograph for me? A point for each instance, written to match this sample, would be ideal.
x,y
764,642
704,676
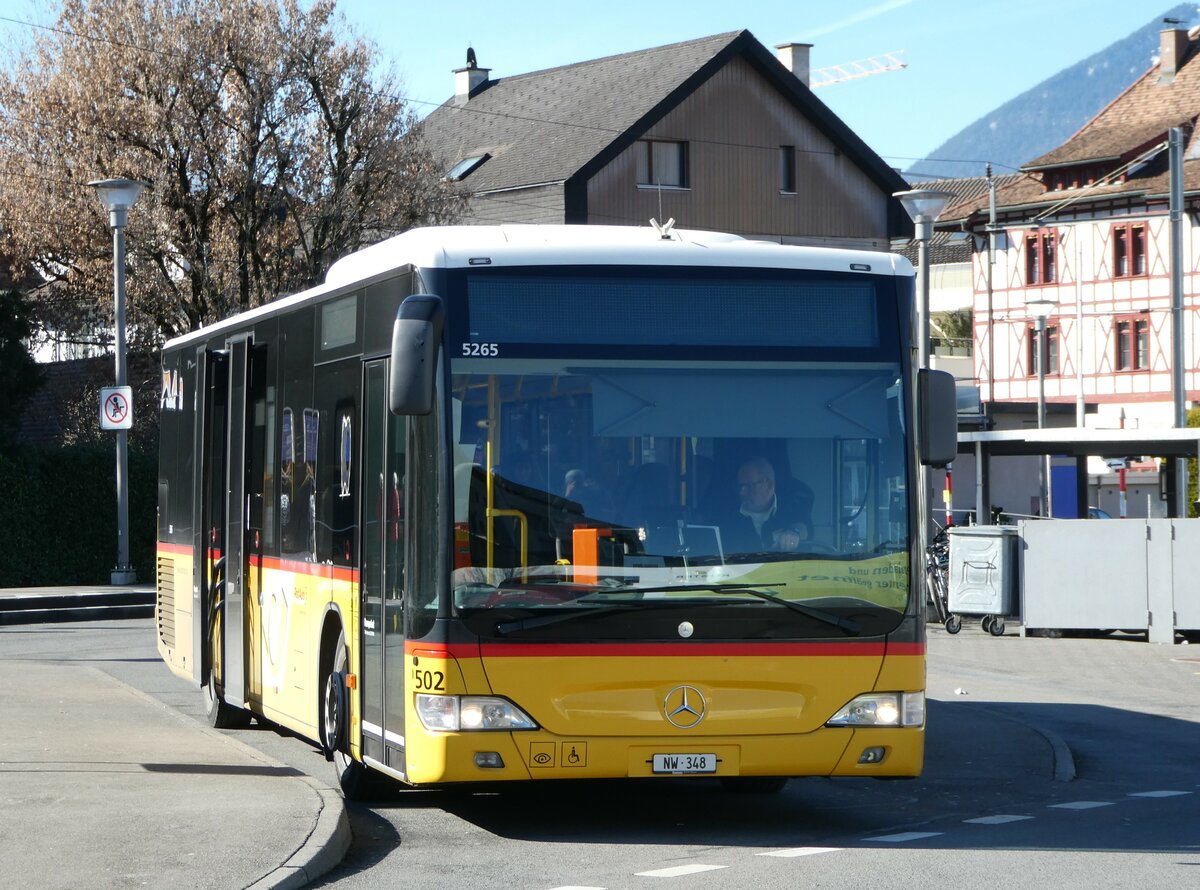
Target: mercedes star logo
x,y
685,707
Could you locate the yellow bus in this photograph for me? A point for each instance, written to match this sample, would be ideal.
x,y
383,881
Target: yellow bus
x,y
516,503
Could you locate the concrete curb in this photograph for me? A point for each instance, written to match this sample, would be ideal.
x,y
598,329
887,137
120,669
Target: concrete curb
x,y
321,852
1064,760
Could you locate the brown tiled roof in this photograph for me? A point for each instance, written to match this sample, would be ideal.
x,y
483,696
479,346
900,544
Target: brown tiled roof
x,y
1137,118
970,192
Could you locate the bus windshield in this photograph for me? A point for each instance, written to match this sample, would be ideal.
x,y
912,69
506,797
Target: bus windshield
x,y
603,487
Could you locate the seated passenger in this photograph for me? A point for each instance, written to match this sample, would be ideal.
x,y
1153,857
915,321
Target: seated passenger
x,y
578,486
765,521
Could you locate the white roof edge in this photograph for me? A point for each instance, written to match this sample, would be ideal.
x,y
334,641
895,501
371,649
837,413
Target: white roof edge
x,y
452,246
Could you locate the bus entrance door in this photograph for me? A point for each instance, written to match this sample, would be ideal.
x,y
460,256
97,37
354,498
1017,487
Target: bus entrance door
x,y
208,506
222,518
381,681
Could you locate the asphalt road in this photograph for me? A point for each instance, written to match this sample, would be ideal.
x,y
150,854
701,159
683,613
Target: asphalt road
x,y
987,812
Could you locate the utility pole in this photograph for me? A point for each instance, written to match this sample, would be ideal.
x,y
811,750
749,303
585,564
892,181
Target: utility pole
x,y
1178,358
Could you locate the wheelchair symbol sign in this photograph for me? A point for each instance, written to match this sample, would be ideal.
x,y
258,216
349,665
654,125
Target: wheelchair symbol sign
x,y
116,408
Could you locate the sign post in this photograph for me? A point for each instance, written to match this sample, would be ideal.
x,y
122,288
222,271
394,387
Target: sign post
x,y
116,408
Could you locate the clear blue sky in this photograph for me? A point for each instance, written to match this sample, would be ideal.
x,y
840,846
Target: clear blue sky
x,y
965,57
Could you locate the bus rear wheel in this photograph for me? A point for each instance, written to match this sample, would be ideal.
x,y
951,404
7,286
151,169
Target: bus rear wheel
x,y
357,781
217,713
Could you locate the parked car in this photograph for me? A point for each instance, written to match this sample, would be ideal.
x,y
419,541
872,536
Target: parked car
x,y
1097,513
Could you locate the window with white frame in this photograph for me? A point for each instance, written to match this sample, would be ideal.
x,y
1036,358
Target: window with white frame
x,y
1040,259
1129,250
1034,352
1132,336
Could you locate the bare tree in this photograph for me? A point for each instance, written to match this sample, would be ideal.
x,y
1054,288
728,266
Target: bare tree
x,y
273,142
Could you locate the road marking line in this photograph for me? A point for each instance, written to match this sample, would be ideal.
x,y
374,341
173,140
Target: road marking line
x,y
1081,805
1159,793
995,820
800,851
678,871
905,836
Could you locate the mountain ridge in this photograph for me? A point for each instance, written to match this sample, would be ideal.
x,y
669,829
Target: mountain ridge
x,y
1046,115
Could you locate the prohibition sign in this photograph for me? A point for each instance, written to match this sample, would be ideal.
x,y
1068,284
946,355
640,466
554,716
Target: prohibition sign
x,y
116,408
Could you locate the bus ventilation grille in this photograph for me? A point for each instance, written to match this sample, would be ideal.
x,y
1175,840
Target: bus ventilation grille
x,y
165,603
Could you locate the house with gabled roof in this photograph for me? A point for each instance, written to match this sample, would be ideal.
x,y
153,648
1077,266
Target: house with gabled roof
x,y
715,133
1086,228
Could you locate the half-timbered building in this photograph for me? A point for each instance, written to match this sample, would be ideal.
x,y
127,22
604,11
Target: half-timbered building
x,y
1087,228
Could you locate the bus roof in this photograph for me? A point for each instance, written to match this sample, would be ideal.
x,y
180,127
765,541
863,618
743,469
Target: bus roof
x,y
449,247
521,245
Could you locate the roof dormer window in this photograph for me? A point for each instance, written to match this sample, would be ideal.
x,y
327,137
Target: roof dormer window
x,y
466,167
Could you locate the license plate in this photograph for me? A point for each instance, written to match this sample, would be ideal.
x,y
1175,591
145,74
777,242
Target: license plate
x,y
685,763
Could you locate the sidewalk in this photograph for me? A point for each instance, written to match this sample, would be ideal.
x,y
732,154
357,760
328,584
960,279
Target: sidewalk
x,y
103,786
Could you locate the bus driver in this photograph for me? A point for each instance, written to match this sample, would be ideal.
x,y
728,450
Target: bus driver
x,y
764,521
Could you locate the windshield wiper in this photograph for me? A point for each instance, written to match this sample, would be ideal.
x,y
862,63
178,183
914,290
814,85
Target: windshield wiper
x,y
846,625
506,627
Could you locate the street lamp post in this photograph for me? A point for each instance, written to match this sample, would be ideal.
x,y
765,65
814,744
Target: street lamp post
x,y
117,196
1041,305
924,206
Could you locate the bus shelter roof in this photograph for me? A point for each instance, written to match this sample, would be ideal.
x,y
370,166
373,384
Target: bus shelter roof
x,y
1082,442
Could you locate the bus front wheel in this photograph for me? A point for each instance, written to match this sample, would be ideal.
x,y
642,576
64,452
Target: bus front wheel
x,y
357,781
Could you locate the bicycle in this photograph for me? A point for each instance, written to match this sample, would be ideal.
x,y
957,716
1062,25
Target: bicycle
x,y
937,584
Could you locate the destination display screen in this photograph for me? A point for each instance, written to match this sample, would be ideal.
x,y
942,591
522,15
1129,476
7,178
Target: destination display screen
x,y
578,311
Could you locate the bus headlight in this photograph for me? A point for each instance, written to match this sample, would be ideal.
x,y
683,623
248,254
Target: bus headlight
x,y
882,709
455,713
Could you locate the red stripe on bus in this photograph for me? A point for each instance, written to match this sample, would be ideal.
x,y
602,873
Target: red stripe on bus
x,y
905,648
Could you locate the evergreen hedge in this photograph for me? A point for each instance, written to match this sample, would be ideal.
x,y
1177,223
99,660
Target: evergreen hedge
x,y
59,518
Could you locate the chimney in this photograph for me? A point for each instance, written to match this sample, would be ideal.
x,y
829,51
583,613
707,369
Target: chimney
x,y
1172,47
468,80
794,57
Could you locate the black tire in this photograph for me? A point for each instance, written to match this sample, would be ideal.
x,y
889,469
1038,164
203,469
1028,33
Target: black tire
x,y
357,781
754,784
953,624
996,626
217,712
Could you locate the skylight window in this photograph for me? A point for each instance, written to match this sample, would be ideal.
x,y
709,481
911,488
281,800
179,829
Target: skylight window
x,y
466,167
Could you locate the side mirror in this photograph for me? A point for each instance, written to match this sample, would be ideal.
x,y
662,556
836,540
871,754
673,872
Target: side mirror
x,y
416,336
937,418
